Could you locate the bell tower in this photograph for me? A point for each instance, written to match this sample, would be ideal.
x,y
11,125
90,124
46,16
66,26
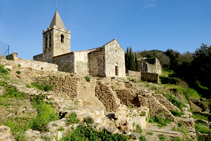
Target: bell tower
x,y
56,39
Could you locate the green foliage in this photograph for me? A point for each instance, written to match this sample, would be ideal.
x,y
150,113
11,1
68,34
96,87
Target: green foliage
x,y
2,83
131,60
160,120
42,86
3,71
89,120
162,137
36,100
176,139
167,80
176,101
28,86
19,65
12,92
201,126
45,115
87,78
176,113
83,133
72,118
18,72
18,127
41,68
61,128
149,133
200,116
138,129
142,138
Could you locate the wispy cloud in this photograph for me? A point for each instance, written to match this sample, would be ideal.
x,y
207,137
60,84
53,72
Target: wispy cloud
x,y
149,4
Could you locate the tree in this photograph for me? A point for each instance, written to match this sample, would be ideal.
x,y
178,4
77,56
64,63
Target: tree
x,y
202,65
130,59
164,60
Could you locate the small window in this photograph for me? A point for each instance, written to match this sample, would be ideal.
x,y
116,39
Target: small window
x,y
62,38
46,41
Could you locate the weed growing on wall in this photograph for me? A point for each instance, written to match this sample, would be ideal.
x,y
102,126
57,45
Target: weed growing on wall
x,y
142,138
89,120
72,118
3,71
87,78
42,86
176,113
138,129
18,72
12,92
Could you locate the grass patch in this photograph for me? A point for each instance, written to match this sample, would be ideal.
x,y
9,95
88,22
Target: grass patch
x,y
176,139
83,133
200,116
160,120
202,127
72,118
89,120
28,86
42,86
138,129
61,128
182,129
162,137
2,83
176,101
12,92
167,80
176,113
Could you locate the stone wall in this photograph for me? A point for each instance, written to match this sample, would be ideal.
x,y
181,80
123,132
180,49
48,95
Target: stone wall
x,y
134,75
114,56
166,102
65,62
97,62
81,62
150,65
38,57
36,65
126,97
150,77
107,96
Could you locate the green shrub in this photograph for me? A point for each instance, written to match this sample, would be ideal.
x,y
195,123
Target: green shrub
x,y
12,92
83,133
162,137
149,133
89,120
18,127
87,78
2,83
200,116
2,70
18,72
142,138
168,80
160,120
42,86
36,100
19,65
138,129
72,118
176,113
41,68
45,115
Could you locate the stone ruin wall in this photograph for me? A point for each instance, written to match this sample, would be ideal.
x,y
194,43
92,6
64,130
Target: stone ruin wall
x,y
65,62
158,66
114,54
38,57
36,65
134,75
97,63
150,77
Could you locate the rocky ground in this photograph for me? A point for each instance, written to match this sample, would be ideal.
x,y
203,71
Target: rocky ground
x,y
121,106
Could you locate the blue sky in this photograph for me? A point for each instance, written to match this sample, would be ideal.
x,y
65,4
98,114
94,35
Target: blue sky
x,y
181,25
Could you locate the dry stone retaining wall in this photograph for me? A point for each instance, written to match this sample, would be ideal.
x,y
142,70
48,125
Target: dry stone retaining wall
x,y
150,77
134,75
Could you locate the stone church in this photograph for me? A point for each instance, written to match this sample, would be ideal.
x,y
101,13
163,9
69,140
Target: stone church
x,y
105,61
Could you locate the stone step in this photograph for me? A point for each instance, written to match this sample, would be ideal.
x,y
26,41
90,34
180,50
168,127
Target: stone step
x,y
172,133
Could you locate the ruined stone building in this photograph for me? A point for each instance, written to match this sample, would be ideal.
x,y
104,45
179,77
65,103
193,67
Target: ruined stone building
x,y
150,65
105,61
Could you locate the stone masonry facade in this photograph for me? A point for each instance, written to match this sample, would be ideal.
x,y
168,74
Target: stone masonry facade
x,y
105,61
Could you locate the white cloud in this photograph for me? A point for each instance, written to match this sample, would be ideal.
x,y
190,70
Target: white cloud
x,y
149,4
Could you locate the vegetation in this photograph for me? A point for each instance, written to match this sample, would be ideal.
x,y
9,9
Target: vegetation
x,y
138,129
176,139
12,92
142,138
176,113
160,120
131,61
89,120
87,78
42,86
200,116
18,72
201,126
83,133
176,101
3,71
72,118
162,137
